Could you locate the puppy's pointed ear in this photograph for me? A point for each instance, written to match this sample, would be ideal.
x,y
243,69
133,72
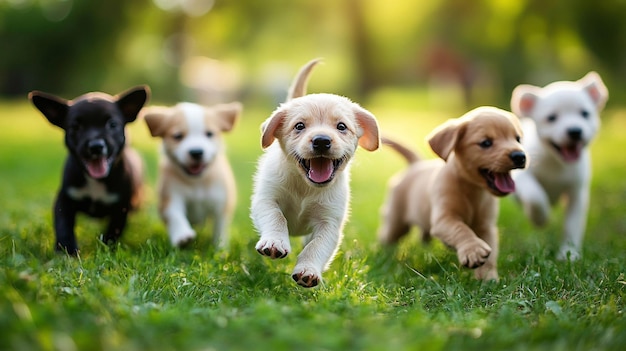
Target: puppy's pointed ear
x,y
155,117
524,99
52,107
369,138
229,114
270,127
444,138
131,101
594,86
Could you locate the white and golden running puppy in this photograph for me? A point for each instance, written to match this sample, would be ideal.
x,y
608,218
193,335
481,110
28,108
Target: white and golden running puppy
x,y
301,187
559,122
195,178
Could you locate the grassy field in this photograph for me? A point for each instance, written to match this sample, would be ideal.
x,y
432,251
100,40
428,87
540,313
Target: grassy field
x,y
144,295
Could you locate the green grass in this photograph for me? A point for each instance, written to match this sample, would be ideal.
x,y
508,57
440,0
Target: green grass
x,y
144,295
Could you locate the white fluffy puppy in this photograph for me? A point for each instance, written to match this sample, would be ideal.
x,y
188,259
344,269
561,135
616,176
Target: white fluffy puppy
x,y
195,178
301,187
563,118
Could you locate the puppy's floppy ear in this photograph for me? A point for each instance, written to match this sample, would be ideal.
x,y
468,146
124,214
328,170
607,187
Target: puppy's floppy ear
x,y
131,101
594,86
155,117
53,107
444,138
524,99
230,114
369,138
271,125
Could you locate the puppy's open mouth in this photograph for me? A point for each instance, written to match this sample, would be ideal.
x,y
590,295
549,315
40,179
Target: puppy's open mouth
x,y
194,169
98,167
501,183
320,170
570,152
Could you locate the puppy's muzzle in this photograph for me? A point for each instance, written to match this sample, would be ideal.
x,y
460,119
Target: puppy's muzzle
x,y
97,147
321,143
518,158
575,133
196,154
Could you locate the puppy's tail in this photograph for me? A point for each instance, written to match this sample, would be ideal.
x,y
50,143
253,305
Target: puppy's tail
x,y
298,86
408,154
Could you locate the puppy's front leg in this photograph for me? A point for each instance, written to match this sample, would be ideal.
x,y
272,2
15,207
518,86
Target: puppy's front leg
x,y
178,227
575,223
64,222
317,253
471,250
220,230
117,223
272,226
489,270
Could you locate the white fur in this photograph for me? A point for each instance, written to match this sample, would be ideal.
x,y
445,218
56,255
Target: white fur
x,y
185,199
283,206
549,178
94,190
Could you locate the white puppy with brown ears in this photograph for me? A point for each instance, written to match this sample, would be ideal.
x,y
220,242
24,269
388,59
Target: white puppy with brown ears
x,y
563,118
196,181
301,187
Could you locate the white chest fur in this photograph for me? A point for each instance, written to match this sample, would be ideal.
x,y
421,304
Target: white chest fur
x,y
93,190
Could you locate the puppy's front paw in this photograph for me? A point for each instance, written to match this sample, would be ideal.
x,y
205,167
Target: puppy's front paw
x,y
306,277
182,239
567,252
473,254
273,248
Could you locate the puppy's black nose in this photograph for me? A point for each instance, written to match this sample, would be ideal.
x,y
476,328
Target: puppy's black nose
x,y
518,158
321,143
96,147
575,133
196,154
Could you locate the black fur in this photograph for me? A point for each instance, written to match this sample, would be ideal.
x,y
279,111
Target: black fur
x,y
94,136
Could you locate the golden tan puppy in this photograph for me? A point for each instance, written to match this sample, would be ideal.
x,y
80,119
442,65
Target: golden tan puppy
x,y
454,199
196,181
301,187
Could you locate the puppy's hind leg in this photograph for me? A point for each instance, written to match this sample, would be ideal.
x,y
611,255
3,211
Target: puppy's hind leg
x,y
393,226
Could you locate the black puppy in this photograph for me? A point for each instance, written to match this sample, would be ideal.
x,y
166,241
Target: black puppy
x,y
102,176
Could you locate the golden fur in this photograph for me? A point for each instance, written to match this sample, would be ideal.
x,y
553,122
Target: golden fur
x,y
454,198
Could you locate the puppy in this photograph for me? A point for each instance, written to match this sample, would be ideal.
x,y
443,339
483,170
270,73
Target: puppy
x,y
562,119
301,186
196,181
455,198
102,176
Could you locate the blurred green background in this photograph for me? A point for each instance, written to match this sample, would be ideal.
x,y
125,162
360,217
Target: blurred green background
x,y
462,53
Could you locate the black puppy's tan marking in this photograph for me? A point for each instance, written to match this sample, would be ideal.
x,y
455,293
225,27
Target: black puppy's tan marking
x,y
102,176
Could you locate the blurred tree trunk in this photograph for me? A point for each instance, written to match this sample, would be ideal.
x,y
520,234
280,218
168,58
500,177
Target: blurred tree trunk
x,y
365,66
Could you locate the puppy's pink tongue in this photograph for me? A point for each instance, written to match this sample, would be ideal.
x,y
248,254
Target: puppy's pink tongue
x,y
321,169
504,183
571,153
98,168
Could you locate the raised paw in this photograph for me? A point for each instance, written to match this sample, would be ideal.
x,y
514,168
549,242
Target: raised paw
x,y
273,248
306,278
474,254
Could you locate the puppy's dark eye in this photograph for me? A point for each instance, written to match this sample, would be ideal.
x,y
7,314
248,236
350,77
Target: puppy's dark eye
x,y
209,134
341,126
584,113
552,117
486,143
112,124
177,136
299,126
519,140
